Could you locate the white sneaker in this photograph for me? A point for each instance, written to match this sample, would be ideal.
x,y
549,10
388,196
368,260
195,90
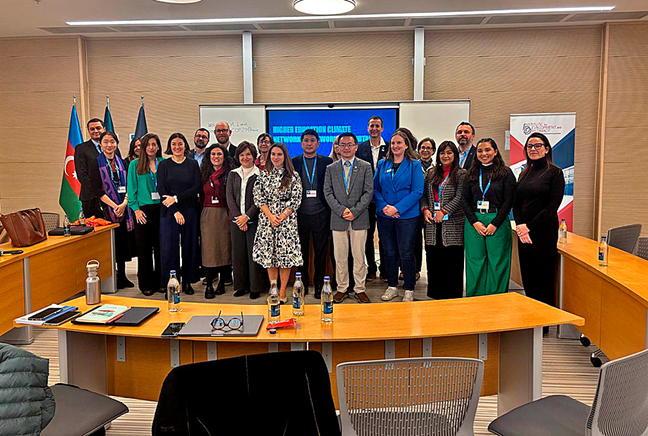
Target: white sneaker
x,y
409,296
389,294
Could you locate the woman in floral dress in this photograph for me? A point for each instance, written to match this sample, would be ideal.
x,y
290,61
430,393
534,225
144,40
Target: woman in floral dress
x,y
278,193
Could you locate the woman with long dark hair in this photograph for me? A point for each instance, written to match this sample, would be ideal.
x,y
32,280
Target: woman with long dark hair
x,y
134,149
214,223
540,191
278,193
398,186
144,200
444,220
110,187
487,200
179,185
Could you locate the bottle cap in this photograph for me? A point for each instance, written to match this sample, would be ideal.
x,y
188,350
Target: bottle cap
x,y
273,331
172,271
298,274
327,279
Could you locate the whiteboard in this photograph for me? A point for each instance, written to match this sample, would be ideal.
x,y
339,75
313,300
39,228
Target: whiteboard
x,y
246,121
435,119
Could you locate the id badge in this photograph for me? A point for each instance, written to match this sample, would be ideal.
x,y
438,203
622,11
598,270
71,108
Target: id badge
x,y
121,189
155,195
214,200
311,193
437,206
445,217
483,206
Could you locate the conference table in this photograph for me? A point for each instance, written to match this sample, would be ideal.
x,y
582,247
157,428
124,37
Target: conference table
x,y
505,331
50,272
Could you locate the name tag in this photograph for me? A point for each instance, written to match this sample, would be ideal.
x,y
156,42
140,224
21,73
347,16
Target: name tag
x,y
155,195
121,189
214,200
437,206
483,206
445,217
311,193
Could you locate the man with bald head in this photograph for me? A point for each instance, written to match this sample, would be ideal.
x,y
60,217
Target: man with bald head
x,y
223,132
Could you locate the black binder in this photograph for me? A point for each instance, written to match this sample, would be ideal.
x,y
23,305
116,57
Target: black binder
x,y
135,316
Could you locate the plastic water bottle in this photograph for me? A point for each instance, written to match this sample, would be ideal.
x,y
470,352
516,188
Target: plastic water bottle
x,y
562,232
67,231
173,293
327,301
274,305
603,251
82,221
298,296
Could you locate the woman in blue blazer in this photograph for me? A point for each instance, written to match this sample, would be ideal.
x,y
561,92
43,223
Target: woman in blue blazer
x,y
398,187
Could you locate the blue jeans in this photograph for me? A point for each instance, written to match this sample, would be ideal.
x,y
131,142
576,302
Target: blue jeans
x,y
397,236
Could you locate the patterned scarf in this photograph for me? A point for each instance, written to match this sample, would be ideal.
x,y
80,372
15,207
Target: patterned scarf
x,y
111,190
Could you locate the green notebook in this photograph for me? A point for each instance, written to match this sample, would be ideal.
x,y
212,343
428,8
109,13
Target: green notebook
x,y
102,314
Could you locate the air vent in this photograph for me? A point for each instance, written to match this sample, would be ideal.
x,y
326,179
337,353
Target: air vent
x,y
605,16
214,27
348,24
447,21
295,25
77,29
150,29
521,19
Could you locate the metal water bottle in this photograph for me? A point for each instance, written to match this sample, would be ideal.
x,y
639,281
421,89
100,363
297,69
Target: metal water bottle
x,y
93,283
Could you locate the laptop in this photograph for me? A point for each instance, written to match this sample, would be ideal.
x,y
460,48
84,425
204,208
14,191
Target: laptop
x,y
201,326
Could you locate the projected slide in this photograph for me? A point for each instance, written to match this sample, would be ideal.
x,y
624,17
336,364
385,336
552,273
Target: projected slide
x,y
287,125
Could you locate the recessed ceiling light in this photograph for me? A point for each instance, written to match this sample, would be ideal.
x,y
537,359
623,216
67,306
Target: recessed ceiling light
x,y
179,2
324,7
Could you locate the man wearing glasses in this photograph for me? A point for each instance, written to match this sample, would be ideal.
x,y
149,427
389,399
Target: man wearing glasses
x,y
465,135
348,189
223,134
201,139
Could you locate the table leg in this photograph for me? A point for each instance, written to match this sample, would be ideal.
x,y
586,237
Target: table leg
x,y
22,335
520,368
109,284
82,360
565,331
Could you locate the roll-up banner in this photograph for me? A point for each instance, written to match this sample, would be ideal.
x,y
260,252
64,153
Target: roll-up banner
x,y
560,129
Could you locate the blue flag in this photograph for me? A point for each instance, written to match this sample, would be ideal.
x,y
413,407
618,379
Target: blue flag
x,y
108,122
140,127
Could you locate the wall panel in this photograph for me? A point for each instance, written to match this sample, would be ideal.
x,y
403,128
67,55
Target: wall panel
x,y
625,191
524,70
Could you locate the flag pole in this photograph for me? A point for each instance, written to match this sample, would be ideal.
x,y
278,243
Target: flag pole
x,y
142,102
74,100
108,101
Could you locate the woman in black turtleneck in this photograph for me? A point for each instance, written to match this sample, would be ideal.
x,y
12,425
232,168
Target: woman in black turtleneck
x,y
487,200
540,190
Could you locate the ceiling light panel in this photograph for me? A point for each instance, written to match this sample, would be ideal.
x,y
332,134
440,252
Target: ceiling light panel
x,y
324,7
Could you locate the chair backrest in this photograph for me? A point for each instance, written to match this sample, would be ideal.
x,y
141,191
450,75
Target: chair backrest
x,y
642,247
52,220
624,238
416,396
621,403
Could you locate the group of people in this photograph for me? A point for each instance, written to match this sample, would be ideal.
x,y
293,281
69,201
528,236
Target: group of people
x,y
225,208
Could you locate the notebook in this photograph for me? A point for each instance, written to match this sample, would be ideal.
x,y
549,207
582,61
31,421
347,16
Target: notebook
x,y
201,326
101,314
135,316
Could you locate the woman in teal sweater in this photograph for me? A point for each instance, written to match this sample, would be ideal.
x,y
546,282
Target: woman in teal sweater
x,y
144,199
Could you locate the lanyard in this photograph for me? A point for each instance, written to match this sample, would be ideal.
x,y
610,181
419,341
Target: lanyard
x,y
154,174
112,173
484,191
442,185
310,177
346,182
463,159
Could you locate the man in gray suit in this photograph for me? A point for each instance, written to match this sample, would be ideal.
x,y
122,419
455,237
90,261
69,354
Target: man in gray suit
x,y
348,189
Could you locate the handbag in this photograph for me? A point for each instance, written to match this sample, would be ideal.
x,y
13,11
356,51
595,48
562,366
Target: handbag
x,y
25,227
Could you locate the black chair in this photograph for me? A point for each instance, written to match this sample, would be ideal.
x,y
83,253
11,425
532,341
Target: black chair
x,y
263,394
642,247
625,238
80,412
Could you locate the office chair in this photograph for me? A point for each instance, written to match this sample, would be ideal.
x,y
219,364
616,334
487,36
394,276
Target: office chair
x,y
624,238
409,397
620,407
642,247
52,220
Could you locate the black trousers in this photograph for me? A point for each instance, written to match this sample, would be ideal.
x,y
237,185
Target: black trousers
x,y
248,275
370,250
92,208
418,245
319,227
148,249
538,265
444,269
170,235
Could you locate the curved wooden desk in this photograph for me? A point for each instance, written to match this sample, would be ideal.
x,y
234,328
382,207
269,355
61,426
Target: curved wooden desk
x,y
613,299
503,330
49,272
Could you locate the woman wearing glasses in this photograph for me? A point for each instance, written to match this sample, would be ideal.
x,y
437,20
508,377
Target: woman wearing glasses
x,y
264,141
487,200
444,220
278,193
540,191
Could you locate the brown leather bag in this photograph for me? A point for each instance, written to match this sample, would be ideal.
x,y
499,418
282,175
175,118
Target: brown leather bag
x,y
25,227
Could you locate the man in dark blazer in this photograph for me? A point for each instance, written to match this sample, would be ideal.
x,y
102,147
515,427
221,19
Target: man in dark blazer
x,y
372,151
313,213
223,134
84,154
465,135
348,189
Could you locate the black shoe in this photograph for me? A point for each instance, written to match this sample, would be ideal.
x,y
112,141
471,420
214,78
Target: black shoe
x,y
123,282
162,290
209,292
187,289
254,295
220,289
240,292
148,292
